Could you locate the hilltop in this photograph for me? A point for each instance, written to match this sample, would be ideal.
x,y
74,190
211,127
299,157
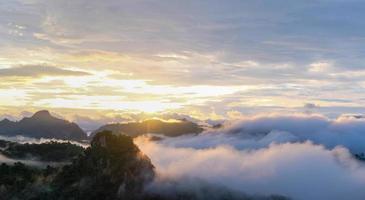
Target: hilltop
x,y
42,125
135,129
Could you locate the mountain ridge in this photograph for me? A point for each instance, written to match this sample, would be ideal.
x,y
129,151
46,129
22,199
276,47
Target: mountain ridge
x,y
156,126
42,125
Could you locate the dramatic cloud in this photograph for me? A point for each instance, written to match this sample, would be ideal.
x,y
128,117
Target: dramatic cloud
x,y
281,57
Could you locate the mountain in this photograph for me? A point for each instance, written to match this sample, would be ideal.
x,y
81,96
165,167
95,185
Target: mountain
x,y
42,125
112,167
171,129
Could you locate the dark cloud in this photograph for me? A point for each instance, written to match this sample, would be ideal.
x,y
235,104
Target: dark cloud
x,y
39,70
310,106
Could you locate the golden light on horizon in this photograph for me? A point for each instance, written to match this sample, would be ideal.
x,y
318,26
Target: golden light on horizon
x,y
63,61
98,91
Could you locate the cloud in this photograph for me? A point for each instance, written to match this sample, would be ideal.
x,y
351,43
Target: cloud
x,y
192,43
297,170
39,70
301,157
343,131
310,106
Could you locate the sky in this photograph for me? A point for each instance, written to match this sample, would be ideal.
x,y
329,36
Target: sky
x,y
206,59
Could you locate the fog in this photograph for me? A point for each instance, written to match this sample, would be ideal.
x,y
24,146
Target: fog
x,y
33,161
22,140
30,162
301,157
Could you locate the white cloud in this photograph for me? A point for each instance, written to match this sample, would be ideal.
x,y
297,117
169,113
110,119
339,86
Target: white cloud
x,y
300,171
320,67
295,156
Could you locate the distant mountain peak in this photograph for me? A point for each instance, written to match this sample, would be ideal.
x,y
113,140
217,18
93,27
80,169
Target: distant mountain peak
x,y
42,114
43,125
5,120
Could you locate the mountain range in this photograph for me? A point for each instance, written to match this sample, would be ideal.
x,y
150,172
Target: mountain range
x,y
43,125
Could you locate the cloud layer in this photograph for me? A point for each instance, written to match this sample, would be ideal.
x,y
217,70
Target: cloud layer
x,y
295,156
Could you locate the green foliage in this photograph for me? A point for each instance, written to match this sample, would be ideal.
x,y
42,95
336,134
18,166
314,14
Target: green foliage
x,y
50,151
17,176
4,143
18,181
112,167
